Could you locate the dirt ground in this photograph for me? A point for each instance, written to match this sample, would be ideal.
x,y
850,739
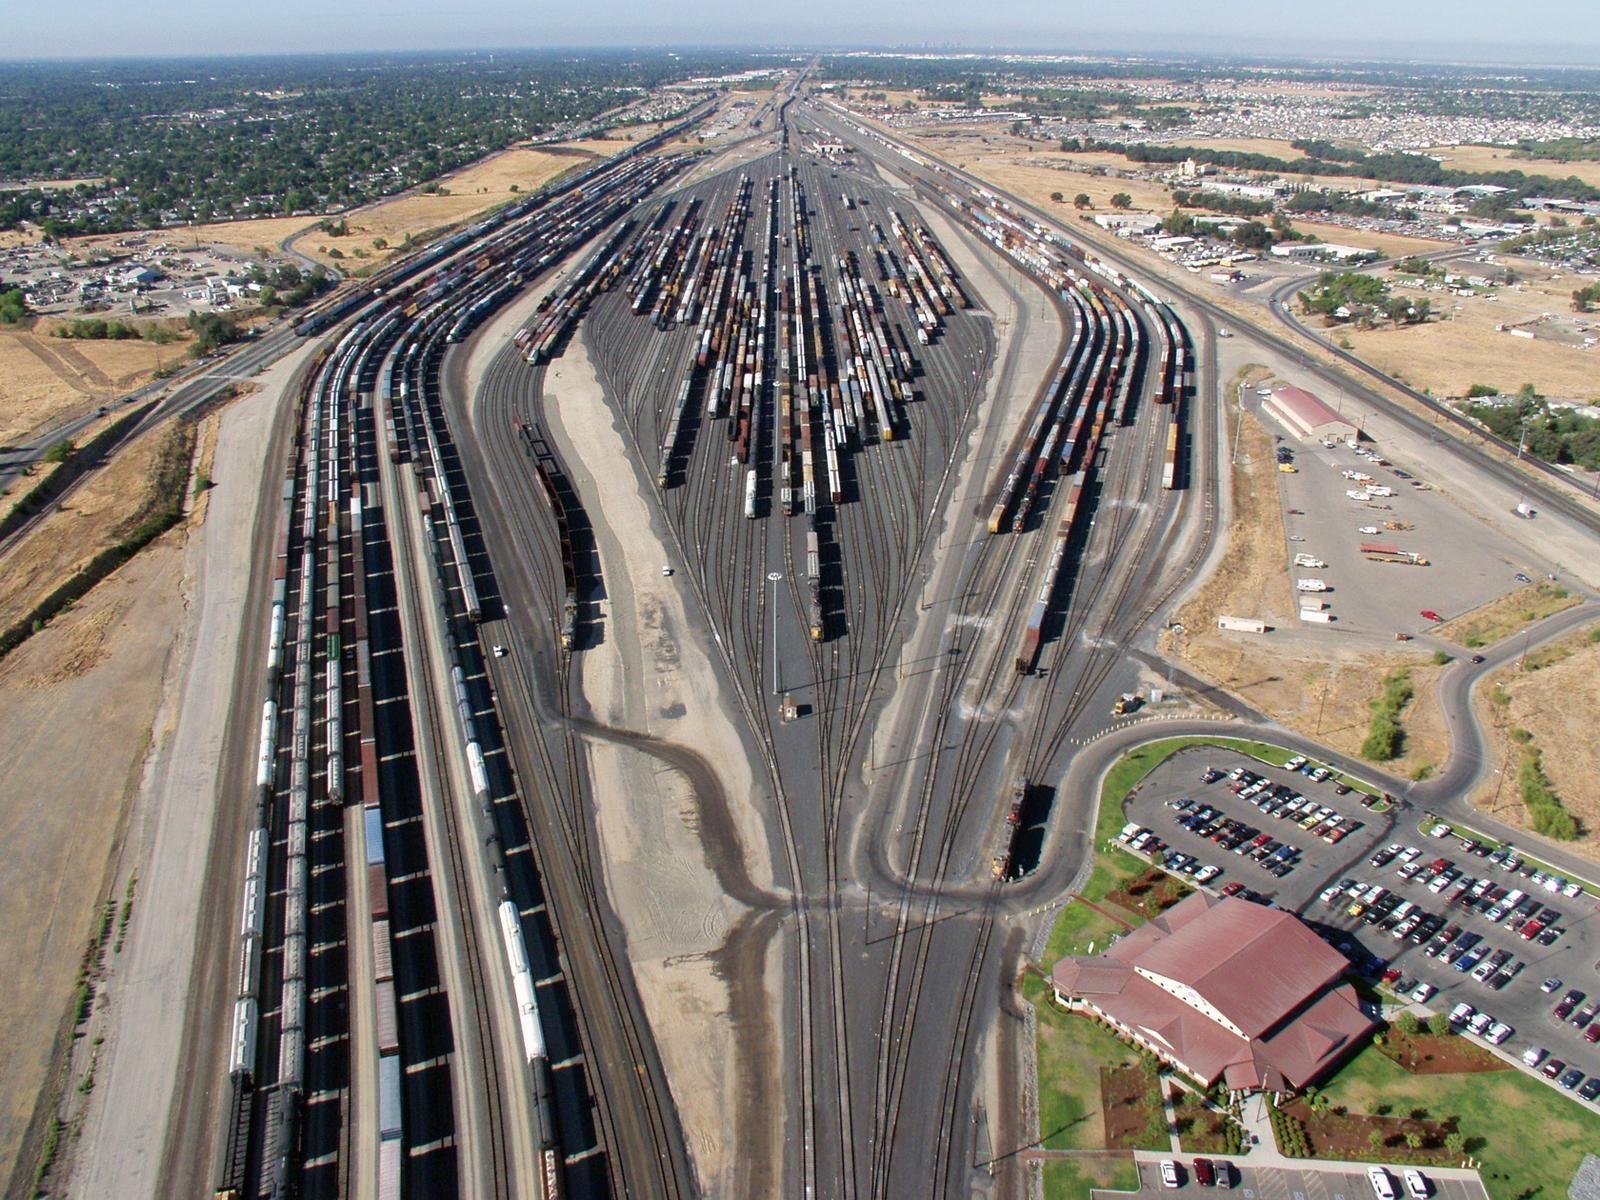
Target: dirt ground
x,y
653,674
79,700
91,519
1311,686
1563,679
47,379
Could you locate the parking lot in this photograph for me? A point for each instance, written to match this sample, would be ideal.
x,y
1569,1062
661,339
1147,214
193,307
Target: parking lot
x,y
1302,1183
1477,927
1469,564
1311,859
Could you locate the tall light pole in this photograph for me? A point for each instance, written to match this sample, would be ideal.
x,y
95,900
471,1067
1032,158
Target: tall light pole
x,y
773,577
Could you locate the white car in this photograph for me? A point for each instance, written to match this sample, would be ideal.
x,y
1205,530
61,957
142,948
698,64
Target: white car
x,y
1480,1023
1461,1013
1498,1033
1439,831
1207,873
1424,992
1534,1055
1169,1173
1382,1184
1572,889
1417,1185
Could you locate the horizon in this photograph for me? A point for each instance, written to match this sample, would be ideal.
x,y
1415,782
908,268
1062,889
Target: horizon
x,y
1169,29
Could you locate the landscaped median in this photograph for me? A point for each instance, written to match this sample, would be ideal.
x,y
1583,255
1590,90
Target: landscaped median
x,y
1096,1093
1450,1100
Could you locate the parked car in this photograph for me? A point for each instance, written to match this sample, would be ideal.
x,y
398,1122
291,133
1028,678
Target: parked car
x,y
1418,1186
1203,1173
1169,1174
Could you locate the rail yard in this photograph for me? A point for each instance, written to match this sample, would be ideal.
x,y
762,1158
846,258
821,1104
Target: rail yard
x,y
430,996
672,650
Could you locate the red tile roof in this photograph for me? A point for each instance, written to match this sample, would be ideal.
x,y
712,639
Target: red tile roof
x,y
1261,968
1254,964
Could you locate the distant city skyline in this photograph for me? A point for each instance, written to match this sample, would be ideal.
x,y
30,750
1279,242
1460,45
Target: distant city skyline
x,y
1467,31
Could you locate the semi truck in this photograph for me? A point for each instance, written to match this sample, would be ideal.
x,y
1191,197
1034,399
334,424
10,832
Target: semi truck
x,y
1389,553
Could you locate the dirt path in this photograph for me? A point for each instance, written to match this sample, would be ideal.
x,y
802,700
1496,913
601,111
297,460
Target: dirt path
x,y
653,674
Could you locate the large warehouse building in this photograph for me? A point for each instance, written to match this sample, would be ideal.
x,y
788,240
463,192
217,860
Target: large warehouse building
x,y
1306,416
1224,989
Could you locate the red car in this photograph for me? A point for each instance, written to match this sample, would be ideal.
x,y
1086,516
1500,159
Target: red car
x,y
1429,614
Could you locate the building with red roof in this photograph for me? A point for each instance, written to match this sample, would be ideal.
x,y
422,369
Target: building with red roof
x,y
1307,416
1224,989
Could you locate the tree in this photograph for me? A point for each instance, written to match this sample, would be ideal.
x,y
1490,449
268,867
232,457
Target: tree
x,y
1407,1023
1122,200
1455,1142
1439,1024
1375,1139
1056,197
13,308
1414,1140
1081,200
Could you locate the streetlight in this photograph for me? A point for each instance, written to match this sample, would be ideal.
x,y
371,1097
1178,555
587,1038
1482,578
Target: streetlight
x,y
772,578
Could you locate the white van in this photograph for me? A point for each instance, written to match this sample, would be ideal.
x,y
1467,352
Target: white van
x,y
1382,1183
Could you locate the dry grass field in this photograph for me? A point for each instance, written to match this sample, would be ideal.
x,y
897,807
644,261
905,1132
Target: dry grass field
x,y
48,378
1561,680
1448,356
1499,158
1392,244
91,519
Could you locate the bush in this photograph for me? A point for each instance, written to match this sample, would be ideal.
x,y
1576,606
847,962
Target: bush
x,y
1408,1024
1549,816
1384,735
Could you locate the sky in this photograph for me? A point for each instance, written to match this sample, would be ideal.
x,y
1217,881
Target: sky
x,y
1566,31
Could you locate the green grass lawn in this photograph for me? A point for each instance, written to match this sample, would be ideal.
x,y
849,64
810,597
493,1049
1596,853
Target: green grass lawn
x,y
1071,1051
1072,1179
1529,1137
1077,929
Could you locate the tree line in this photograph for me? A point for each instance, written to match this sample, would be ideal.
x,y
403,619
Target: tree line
x,y
204,140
